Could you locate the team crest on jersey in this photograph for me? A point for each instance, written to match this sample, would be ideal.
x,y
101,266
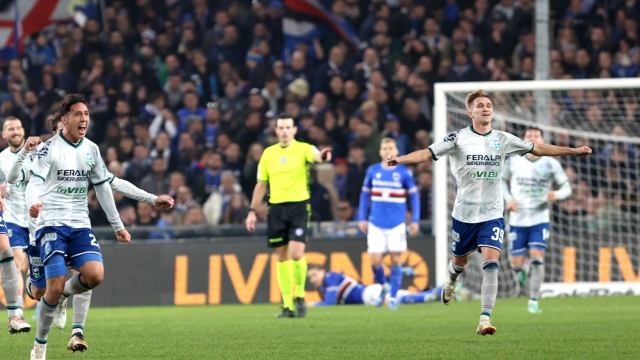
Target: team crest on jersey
x,y
396,176
542,169
378,175
283,159
88,157
497,144
47,248
35,271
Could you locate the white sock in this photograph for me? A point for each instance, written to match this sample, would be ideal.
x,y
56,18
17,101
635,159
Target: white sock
x,y
489,289
74,286
536,277
45,320
81,303
10,283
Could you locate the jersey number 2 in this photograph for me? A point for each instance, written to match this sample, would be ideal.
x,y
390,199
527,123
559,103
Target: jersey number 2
x,y
498,234
94,241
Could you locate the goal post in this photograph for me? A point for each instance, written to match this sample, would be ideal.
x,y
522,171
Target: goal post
x,y
597,112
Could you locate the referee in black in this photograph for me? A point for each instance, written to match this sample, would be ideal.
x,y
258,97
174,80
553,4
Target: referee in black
x,y
284,168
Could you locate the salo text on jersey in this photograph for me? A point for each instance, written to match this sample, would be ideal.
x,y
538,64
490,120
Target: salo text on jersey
x,y
486,160
73,175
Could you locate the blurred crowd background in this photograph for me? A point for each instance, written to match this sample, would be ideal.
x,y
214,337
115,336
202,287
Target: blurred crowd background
x,y
184,94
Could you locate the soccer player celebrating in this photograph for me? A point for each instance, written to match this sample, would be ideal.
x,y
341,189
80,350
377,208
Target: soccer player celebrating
x,y
530,178
477,159
36,283
284,168
57,196
338,289
386,188
16,225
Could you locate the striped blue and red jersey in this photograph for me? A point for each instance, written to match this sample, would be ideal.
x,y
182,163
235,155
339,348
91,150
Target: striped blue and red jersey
x,y
339,289
383,200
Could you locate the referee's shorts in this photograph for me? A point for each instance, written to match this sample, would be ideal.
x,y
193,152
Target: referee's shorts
x,y
288,222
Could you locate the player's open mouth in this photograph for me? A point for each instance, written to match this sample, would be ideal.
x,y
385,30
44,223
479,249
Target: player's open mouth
x,y
82,129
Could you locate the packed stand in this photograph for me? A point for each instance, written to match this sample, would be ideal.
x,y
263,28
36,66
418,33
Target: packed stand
x,y
184,97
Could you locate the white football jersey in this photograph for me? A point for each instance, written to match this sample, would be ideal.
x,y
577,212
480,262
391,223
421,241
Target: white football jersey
x,y
530,182
14,202
477,162
67,170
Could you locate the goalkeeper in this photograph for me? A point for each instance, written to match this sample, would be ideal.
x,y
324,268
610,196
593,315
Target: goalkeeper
x,y
526,187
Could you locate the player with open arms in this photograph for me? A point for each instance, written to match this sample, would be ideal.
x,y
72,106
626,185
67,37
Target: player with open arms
x,y
57,196
527,195
36,282
477,156
284,169
385,189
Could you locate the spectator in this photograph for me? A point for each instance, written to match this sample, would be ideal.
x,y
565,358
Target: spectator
x,y
249,131
184,199
425,184
233,160
335,65
250,171
157,182
145,215
298,70
207,180
357,171
392,130
163,150
273,95
218,201
236,211
345,212
140,166
128,215
320,200
191,110
193,216
340,178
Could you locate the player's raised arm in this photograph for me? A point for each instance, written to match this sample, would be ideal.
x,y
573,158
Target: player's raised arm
x,y
437,150
16,173
552,150
133,192
415,157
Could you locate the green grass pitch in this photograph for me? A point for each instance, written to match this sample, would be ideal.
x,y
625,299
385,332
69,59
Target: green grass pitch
x,y
570,328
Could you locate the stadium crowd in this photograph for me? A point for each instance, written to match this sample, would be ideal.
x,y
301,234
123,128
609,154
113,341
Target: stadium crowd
x,y
184,94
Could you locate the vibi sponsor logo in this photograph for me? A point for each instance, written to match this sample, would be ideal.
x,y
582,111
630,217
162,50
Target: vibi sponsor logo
x,y
483,175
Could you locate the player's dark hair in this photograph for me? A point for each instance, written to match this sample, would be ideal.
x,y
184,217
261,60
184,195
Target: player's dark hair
x,y
284,116
315,267
533,128
69,101
53,122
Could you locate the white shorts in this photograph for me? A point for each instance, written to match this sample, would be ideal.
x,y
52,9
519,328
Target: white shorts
x,y
371,294
382,241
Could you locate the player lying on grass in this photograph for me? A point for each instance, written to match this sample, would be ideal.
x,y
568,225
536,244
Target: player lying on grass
x,y
477,154
338,289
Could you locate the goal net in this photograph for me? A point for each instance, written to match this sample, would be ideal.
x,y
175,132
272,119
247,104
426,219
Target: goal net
x,y
593,246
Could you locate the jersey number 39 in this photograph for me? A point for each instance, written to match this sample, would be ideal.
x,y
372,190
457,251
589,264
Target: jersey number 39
x,y
498,234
